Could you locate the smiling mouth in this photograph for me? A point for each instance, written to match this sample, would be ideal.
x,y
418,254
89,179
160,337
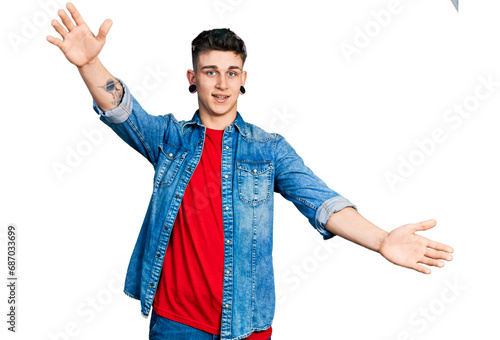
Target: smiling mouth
x,y
220,97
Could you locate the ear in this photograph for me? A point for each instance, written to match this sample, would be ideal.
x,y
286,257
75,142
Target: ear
x,y
191,77
243,78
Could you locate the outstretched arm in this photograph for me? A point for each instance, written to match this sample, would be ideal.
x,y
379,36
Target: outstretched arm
x,y
401,246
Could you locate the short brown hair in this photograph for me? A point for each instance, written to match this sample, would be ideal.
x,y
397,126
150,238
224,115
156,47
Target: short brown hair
x,y
218,39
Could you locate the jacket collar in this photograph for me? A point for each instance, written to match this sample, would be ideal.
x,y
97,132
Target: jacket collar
x,y
238,122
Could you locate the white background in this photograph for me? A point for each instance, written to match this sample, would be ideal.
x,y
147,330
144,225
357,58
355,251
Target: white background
x,y
352,119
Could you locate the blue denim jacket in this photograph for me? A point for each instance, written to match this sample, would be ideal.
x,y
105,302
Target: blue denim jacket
x,y
255,164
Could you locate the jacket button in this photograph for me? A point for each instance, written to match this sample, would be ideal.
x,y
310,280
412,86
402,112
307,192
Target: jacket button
x,y
199,143
227,271
158,255
166,228
227,208
176,196
254,170
227,306
226,176
227,241
170,154
227,147
189,169
151,284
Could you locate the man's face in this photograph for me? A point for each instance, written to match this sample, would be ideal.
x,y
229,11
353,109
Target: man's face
x,y
218,80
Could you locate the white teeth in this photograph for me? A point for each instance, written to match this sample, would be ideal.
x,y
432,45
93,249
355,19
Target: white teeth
x,y
221,97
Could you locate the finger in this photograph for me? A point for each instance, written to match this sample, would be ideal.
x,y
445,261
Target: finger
x,y
55,41
421,269
433,254
439,246
431,262
75,14
104,29
424,225
59,28
66,20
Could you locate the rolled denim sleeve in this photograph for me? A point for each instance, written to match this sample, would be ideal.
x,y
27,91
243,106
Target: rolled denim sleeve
x,y
140,130
298,184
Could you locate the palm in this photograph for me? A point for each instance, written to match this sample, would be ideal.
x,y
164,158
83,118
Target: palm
x,y
405,248
79,44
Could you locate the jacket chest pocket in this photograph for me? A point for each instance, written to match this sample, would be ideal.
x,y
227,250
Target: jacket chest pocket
x,y
254,181
169,162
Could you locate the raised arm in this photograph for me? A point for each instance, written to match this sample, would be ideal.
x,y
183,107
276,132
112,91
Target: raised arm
x,y
113,101
81,47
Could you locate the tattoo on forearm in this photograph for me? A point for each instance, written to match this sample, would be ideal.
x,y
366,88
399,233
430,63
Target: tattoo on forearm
x,y
115,88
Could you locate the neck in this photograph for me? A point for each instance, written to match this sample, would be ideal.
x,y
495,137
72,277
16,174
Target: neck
x,y
214,121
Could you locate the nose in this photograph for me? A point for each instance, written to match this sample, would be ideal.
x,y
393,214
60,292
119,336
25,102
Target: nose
x,y
222,83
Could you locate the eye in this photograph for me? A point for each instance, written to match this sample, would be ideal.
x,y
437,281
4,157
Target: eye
x,y
232,74
211,73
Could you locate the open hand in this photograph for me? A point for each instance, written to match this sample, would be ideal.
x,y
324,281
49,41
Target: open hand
x,y
407,249
79,44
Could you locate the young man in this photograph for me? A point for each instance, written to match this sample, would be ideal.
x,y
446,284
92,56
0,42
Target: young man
x,y
213,184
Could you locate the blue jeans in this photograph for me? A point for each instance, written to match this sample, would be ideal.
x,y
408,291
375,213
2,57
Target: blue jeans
x,y
161,328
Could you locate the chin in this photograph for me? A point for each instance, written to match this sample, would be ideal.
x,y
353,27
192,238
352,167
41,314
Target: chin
x,y
220,110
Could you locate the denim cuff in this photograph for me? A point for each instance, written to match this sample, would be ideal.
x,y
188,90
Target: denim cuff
x,y
120,113
327,209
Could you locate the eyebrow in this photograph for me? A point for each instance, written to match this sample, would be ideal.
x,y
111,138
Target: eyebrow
x,y
215,67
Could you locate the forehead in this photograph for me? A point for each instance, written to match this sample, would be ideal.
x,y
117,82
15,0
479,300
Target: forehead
x,y
221,59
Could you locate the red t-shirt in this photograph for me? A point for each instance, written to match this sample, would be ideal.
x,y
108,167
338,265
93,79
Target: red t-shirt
x,y
190,286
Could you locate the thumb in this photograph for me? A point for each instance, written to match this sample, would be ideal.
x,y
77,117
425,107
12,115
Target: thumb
x,y
424,225
104,29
